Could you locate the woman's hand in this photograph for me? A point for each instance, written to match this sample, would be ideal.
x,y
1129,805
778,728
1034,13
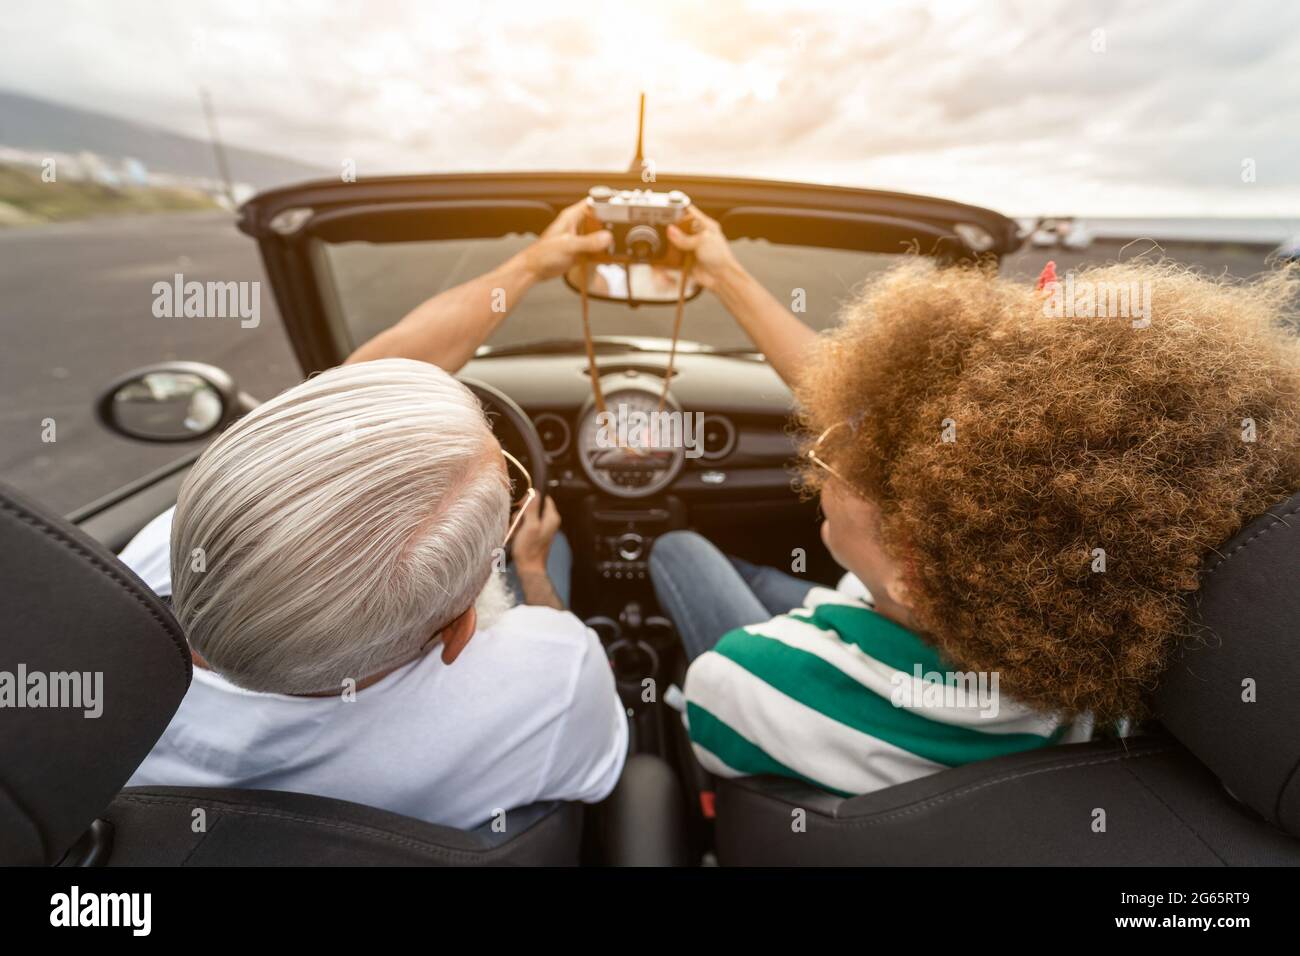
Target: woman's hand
x,y
774,329
558,247
714,261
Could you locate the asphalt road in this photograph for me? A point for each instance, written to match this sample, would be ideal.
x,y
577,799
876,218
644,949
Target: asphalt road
x,y
76,310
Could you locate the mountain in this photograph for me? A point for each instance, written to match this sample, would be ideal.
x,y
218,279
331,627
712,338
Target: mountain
x,y
29,123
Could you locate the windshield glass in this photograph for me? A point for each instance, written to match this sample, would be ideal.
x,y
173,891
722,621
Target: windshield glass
x,y
372,285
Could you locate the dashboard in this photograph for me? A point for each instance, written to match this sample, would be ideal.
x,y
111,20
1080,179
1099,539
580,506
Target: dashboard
x,y
722,424
712,452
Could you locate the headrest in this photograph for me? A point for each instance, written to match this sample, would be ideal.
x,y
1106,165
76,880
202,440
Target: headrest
x,y
1232,692
82,636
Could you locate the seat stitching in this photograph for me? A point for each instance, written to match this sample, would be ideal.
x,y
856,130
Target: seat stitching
x,y
300,818
1174,813
315,821
173,630
1277,807
935,801
1262,531
29,816
207,832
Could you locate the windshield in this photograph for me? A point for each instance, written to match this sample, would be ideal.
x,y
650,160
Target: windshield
x,y
372,285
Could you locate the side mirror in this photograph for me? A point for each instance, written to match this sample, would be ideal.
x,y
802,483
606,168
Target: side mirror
x,y
172,402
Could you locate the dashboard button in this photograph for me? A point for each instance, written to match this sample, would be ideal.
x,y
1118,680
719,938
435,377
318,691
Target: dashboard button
x,y
631,546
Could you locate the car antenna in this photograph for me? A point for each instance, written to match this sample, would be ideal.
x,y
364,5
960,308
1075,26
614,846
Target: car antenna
x,y
638,161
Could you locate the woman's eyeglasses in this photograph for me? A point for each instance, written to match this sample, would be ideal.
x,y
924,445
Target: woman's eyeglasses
x,y
813,454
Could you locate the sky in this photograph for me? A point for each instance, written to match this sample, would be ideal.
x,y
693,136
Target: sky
x,y
1036,107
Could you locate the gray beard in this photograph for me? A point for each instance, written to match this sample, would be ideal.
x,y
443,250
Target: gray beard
x,y
494,600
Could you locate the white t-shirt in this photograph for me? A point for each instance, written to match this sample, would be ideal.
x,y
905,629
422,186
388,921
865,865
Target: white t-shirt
x,y
527,712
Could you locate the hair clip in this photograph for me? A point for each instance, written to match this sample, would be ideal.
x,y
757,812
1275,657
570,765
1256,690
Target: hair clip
x,y
1047,276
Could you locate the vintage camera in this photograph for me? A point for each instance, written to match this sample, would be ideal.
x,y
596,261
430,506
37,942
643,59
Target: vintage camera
x,y
637,218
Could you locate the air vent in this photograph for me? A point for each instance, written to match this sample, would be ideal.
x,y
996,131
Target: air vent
x,y
554,432
719,438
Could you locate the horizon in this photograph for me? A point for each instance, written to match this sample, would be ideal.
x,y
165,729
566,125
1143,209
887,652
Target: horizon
x,y
1044,214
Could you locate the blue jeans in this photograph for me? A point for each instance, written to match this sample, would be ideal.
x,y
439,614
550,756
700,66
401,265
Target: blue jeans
x,y
559,568
707,594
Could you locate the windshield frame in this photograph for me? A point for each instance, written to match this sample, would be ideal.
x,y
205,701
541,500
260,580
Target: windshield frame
x,y
400,209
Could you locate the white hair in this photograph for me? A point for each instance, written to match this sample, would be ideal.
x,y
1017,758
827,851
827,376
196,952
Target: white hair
x,y
331,532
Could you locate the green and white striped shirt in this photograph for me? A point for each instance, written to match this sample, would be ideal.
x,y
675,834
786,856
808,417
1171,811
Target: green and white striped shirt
x,y
838,696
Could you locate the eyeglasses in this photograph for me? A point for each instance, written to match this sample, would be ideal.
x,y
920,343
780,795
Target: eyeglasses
x,y
812,455
522,504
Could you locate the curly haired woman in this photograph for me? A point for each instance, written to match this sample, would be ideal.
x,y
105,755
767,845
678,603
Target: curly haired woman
x,y
1024,501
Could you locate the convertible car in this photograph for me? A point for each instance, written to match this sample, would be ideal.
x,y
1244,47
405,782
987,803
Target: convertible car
x,y
1210,782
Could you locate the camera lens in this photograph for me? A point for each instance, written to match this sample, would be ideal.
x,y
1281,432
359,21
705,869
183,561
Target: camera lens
x,y
642,242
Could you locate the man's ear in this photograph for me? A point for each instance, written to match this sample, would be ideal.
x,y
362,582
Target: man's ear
x,y
457,634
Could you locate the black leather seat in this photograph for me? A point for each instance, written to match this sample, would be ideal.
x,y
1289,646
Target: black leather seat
x,y
1216,782
68,605
154,826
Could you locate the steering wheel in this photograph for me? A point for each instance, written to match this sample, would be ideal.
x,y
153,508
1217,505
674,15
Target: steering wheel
x,y
518,424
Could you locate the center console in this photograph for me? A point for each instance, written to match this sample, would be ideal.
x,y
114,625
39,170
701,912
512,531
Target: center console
x,y
619,536
614,593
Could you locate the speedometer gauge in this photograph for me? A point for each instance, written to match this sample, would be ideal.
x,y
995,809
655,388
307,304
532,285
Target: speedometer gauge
x,y
633,449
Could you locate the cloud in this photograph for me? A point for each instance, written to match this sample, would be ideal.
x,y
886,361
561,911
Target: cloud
x,y
1118,107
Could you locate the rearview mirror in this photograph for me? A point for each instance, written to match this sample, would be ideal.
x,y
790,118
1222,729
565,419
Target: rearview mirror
x,y
636,283
171,402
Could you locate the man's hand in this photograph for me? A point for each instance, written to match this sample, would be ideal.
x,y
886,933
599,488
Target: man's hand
x,y
532,539
448,328
714,261
531,544
559,246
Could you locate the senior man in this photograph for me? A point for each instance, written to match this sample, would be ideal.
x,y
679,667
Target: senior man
x,y
333,558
